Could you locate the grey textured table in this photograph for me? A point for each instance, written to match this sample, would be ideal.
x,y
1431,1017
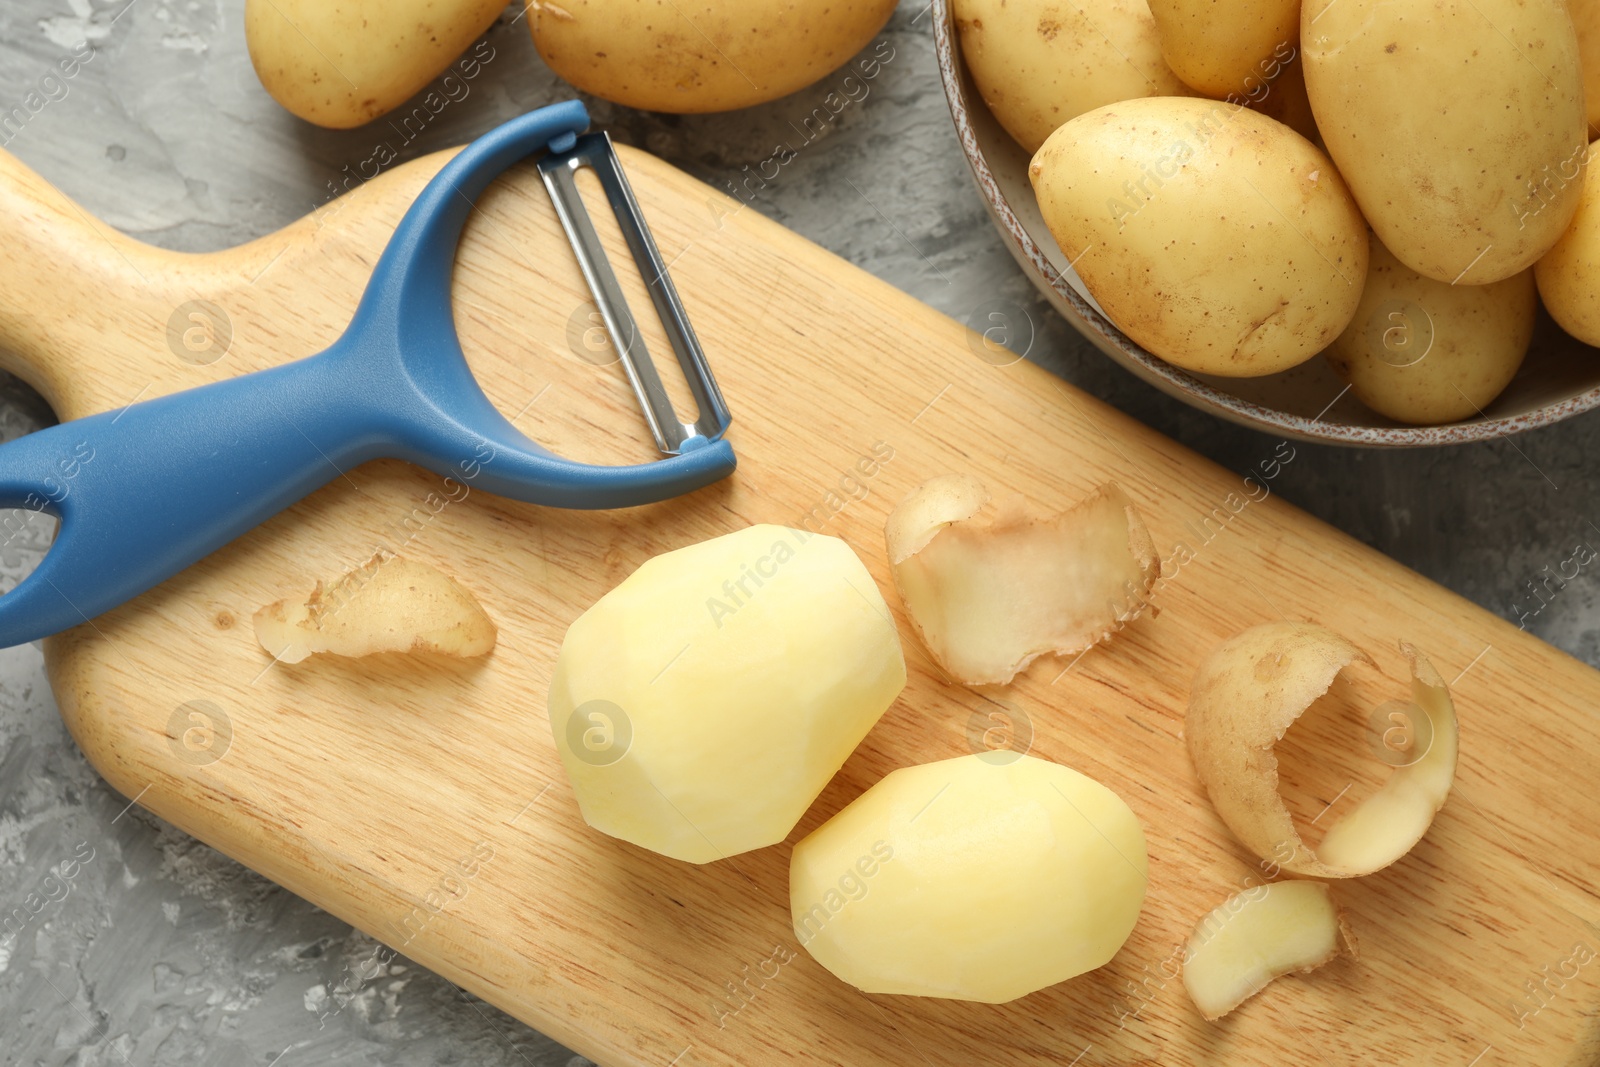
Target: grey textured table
x,y
162,951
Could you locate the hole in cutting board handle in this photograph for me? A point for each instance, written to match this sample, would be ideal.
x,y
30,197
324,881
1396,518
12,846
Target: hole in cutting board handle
x,y
26,535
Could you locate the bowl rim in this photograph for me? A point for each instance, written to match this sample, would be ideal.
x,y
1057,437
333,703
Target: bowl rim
x,y
1174,380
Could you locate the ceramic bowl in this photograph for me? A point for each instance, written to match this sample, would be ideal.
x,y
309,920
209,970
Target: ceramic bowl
x,y
1560,378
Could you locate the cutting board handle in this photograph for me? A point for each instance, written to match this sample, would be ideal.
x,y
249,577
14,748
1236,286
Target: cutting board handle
x,y
78,292
68,276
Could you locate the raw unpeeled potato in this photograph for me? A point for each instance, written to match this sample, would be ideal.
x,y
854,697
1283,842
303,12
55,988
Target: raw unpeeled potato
x,y
977,878
1569,274
1426,352
701,705
1451,121
991,592
689,56
388,604
1586,20
340,63
1257,935
1224,50
1038,63
1283,98
1219,239
1247,695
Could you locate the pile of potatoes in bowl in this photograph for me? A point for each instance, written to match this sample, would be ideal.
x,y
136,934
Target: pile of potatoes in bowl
x,y
1245,186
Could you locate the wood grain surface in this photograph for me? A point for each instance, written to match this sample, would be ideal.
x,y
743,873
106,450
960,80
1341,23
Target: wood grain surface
x,y
423,801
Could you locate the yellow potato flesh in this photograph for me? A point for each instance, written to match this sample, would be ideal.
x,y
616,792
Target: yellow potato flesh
x,y
1458,124
719,687
1255,936
1387,824
1217,238
1424,351
989,595
981,878
1038,63
711,55
340,64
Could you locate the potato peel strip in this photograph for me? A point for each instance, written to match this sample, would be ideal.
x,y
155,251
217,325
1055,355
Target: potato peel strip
x,y
1389,823
1245,698
388,604
991,590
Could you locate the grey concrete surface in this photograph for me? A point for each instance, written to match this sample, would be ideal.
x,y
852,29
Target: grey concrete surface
x,y
155,949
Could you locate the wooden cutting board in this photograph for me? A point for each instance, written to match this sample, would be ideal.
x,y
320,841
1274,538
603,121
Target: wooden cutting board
x,y
422,800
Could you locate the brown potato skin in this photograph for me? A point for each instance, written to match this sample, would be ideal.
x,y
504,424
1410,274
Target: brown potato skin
x,y
1216,238
1458,124
342,63
694,56
1038,63
1569,274
1219,49
1586,20
1475,336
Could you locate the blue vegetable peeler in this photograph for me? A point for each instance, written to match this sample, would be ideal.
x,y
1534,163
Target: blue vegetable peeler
x,y
143,492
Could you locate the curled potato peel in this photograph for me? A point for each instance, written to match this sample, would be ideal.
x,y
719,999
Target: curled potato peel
x,y
990,591
1247,695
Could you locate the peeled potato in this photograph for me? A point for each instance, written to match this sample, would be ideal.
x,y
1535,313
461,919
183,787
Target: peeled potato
x,y
1424,351
990,593
691,56
701,705
1038,63
1244,699
340,64
388,604
977,878
1257,935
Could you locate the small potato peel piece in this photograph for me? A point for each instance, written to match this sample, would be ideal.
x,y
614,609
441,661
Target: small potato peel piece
x,y
388,604
990,593
1247,695
1257,935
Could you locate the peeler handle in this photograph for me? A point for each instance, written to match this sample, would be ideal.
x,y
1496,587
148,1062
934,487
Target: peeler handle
x,y
143,492
146,491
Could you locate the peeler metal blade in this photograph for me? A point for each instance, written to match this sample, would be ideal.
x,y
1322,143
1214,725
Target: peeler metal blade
x,y
559,168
